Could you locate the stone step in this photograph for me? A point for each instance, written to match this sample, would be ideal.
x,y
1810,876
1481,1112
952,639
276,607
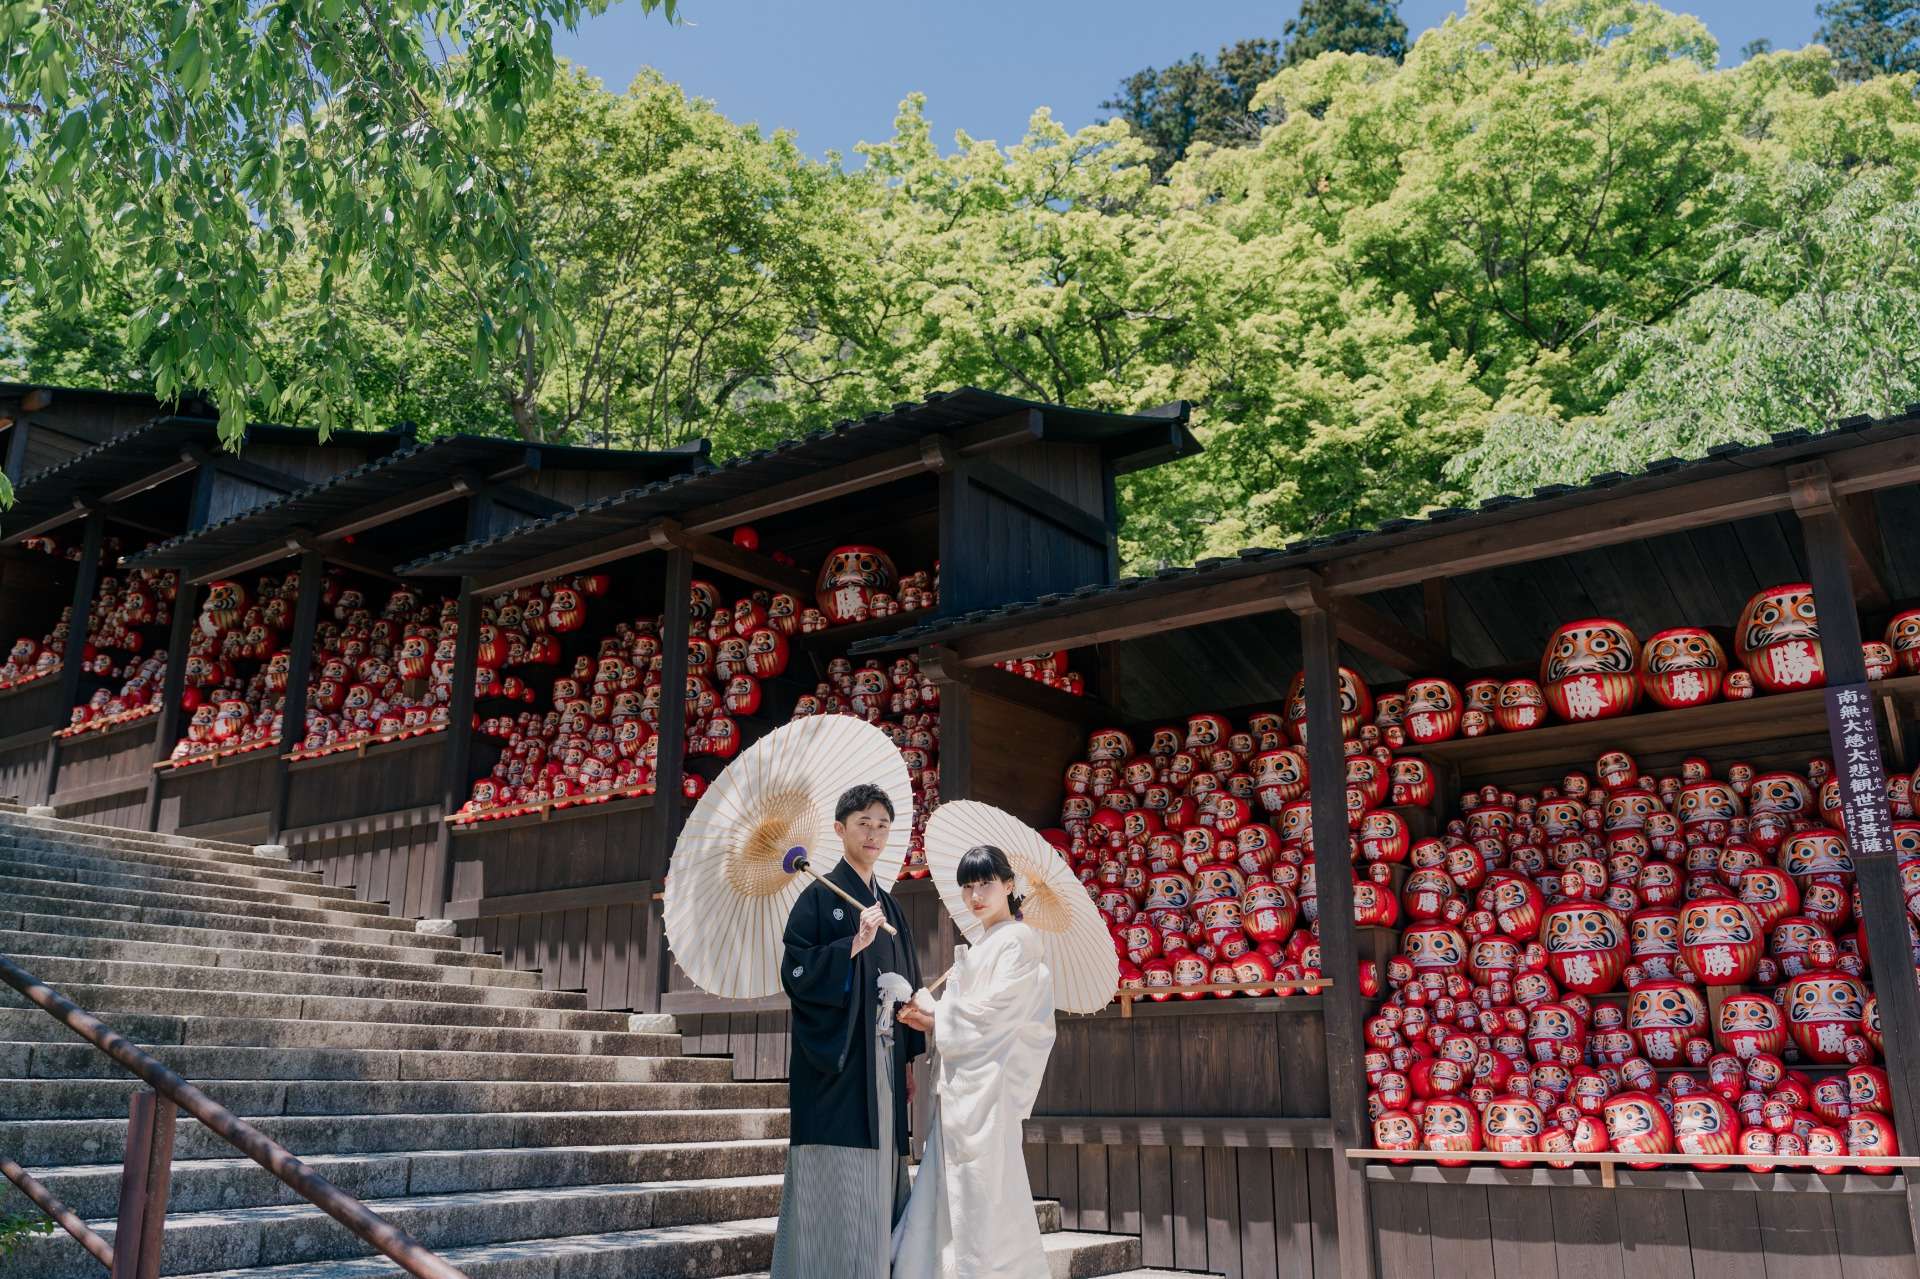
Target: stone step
x,y
109,1001
104,1098
300,1233
86,1141
30,1025
253,959
50,901
12,921
243,894
349,915
701,1251
206,1185
58,970
17,819
366,1065
239,867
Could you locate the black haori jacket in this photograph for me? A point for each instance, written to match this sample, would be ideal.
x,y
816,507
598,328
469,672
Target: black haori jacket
x,y
834,995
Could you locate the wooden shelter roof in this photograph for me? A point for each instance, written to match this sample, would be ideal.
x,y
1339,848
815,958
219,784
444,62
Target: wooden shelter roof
x,y
149,455
1129,441
406,481
1507,572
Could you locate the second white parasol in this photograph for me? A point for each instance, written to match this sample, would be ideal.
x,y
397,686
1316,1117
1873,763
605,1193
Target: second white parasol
x,y
734,874
1086,971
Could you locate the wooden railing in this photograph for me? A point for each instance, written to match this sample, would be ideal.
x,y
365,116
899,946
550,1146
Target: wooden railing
x,y
147,1168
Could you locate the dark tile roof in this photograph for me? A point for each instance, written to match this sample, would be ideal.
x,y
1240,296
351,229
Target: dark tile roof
x,y
1726,459
148,447
385,477
1130,440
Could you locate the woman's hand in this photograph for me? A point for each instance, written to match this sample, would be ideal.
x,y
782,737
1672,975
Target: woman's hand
x,y
870,920
916,1017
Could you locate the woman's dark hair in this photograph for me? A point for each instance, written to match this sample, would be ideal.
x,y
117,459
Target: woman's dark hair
x,y
984,862
860,799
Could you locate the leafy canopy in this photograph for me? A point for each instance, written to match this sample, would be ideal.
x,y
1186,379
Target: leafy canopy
x,y
204,157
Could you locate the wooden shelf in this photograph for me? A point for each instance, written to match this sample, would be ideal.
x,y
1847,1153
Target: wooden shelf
x,y
1713,726
1181,1132
1628,1179
836,640
1205,1006
553,811
94,730
355,750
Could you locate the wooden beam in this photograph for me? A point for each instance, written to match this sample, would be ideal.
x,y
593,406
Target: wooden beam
x,y
572,559
526,501
263,476
1158,1130
627,893
748,566
1339,946
52,522
1365,629
1810,485
810,490
1036,501
188,460
1876,872
1128,616
424,497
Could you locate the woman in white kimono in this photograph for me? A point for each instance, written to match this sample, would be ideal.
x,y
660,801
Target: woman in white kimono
x,y
971,1215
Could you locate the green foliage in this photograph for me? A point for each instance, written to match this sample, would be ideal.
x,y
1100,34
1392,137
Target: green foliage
x,y
1871,37
1821,321
202,153
1345,26
14,1230
1194,100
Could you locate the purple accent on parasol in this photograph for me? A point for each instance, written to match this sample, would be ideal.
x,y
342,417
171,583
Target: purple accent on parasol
x,y
794,861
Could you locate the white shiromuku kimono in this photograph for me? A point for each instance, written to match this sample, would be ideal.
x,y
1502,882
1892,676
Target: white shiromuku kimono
x,y
971,1215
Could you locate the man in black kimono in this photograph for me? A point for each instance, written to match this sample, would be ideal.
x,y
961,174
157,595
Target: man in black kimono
x,y
846,1180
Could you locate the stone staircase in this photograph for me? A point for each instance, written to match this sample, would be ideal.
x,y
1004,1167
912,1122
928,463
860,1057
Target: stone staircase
x,y
506,1127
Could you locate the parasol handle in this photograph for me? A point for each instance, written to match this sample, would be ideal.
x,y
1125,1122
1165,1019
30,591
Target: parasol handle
x,y
796,859
940,981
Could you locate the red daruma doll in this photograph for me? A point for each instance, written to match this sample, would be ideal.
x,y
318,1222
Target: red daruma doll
x,y
1778,639
1586,946
1637,1126
1590,670
1720,939
1514,1125
1450,1125
1823,1009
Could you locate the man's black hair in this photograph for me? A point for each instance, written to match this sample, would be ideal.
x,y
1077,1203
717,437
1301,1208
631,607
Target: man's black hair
x,y
860,799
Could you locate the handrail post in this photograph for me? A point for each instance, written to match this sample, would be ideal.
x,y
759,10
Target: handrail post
x,y
146,1181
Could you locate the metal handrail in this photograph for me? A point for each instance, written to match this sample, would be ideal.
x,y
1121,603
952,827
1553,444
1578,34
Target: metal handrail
x,y
66,1218
368,1226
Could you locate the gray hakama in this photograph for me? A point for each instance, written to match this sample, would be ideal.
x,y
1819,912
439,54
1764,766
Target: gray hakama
x,y
839,1204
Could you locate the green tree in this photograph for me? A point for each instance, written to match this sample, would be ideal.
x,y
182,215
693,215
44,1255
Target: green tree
x,y
224,142
1345,26
1871,37
1195,100
1820,320
685,254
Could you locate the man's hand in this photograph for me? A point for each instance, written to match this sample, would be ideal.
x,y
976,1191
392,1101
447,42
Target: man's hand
x,y
870,921
918,1018
910,1075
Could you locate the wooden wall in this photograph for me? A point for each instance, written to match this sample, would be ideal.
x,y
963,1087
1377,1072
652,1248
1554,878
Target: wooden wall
x,y
1012,756
384,857
1023,522
28,716
233,799
1436,1231
578,919
388,778
103,776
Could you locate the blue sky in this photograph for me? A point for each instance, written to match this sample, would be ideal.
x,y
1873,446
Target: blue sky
x,y
834,70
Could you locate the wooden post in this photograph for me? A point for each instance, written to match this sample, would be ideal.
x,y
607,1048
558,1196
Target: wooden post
x,y
1339,949
1882,905
85,581
663,820
167,731
459,751
146,1178
293,708
943,666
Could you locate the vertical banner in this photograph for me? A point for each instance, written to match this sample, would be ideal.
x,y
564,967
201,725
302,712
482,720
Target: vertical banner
x,y
1857,765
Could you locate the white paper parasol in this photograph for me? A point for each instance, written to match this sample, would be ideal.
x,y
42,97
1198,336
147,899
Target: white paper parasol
x,y
1086,971
728,892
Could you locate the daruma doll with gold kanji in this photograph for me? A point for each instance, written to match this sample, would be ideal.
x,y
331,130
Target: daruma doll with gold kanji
x,y
1778,639
1590,670
1823,1009
1356,704
1586,946
1721,940
1684,666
